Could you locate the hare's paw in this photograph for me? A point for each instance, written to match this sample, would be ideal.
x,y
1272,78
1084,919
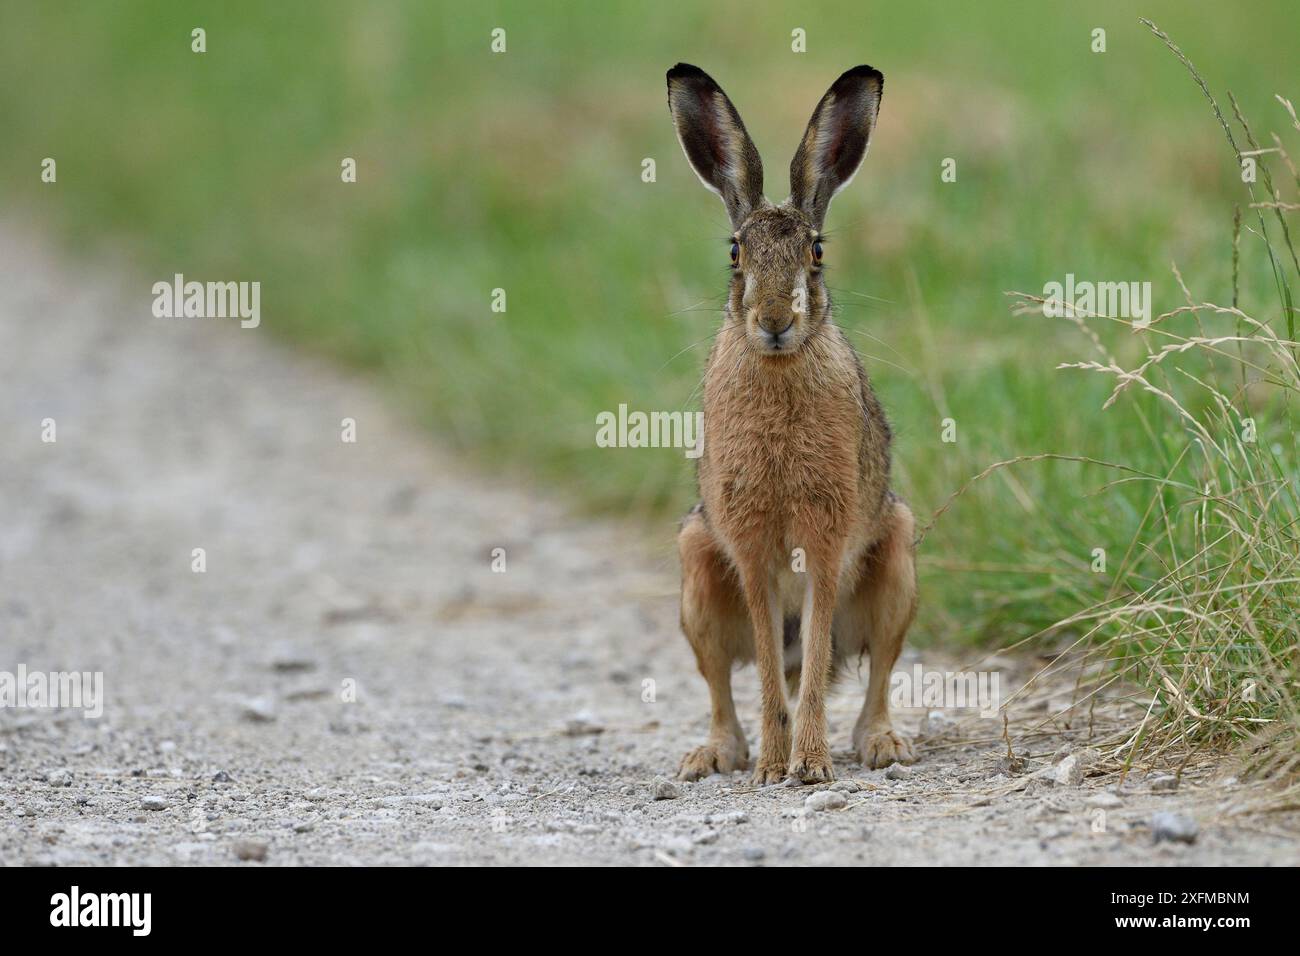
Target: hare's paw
x,y
882,749
768,773
716,756
811,766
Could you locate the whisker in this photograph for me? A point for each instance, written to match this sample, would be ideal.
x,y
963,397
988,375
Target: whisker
x,y
874,338
695,306
874,298
876,358
707,338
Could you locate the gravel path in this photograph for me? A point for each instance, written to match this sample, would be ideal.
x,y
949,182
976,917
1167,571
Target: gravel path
x,y
350,681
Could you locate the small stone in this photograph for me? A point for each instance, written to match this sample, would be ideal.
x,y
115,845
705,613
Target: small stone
x,y
706,836
154,802
59,778
222,777
316,795
1174,828
1162,783
304,826
258,710
1089,757
1012,766
1068,773
935,722
826,800
753,853
1105,799
896,771
583,724
735,816
663,789
291,659
250,850
846,786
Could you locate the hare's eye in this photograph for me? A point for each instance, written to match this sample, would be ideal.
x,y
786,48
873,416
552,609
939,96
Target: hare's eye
x,y
817,251
735,253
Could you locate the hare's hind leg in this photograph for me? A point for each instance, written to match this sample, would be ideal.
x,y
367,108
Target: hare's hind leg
x,y
877,615
717,626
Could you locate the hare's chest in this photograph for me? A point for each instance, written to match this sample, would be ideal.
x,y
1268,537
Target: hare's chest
x,y
767,459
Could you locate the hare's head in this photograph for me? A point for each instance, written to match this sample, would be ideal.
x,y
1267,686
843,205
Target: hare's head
x,y
777,288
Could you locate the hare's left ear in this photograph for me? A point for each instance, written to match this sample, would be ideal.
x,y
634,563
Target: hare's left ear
x,y
836,141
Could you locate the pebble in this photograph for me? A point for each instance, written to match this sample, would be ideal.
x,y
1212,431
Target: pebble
x,y
1012,766
1105,799
706,836
154,802
735,816
582,724
1068,773
1088,757
664,790
1173,827
753,853
258,710
1162,783
250,850
896,771
290,659
826,800
59,778
316,795
935,722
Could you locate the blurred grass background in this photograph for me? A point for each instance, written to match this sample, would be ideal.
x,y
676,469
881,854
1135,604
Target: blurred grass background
x,y
522,171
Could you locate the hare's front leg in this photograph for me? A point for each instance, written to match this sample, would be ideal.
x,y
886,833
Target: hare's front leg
x,y
879,613
811,760
717,627
765,617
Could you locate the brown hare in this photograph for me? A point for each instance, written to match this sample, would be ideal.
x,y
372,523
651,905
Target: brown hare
x,y
798,556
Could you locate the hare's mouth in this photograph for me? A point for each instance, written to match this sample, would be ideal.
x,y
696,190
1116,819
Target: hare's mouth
x,y
784,342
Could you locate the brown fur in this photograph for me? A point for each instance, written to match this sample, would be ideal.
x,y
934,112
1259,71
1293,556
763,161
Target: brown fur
x,y
795,460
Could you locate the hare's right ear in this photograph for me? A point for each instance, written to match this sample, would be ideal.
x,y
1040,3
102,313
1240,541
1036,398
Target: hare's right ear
x,y
715,141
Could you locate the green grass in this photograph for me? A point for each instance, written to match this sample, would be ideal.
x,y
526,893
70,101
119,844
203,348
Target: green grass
x,y
522,171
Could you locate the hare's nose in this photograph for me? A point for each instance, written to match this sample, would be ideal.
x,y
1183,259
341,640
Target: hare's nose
x,y
775,316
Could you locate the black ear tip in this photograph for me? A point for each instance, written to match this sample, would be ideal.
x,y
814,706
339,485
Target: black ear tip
x,y
863,72
686,71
